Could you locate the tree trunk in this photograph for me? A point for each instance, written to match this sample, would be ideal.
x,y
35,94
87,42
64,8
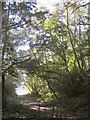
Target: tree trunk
x,y
88,82
3,91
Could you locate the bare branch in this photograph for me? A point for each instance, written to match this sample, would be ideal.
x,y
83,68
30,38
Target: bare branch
x,y
37,14
81,6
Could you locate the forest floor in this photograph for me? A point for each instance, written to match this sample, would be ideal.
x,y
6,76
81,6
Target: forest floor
x,y
28,108
31,109
40,108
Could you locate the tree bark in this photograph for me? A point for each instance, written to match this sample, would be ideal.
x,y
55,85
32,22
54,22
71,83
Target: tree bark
x,y
88,82
3,91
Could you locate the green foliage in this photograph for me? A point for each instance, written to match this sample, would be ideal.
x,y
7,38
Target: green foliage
x,y
49,24
57,60
38,87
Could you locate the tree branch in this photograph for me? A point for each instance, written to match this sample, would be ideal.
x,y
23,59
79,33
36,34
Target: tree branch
x,y
81,6
37,14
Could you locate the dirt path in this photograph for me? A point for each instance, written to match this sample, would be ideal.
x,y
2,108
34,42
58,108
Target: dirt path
x,y
43,108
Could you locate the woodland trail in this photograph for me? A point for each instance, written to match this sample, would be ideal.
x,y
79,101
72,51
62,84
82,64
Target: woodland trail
x,y
29,108
47,109
43,108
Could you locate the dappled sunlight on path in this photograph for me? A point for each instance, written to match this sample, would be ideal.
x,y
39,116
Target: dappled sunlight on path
x,y
43,108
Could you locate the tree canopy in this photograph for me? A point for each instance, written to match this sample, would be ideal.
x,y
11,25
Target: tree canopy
x,y
51,49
